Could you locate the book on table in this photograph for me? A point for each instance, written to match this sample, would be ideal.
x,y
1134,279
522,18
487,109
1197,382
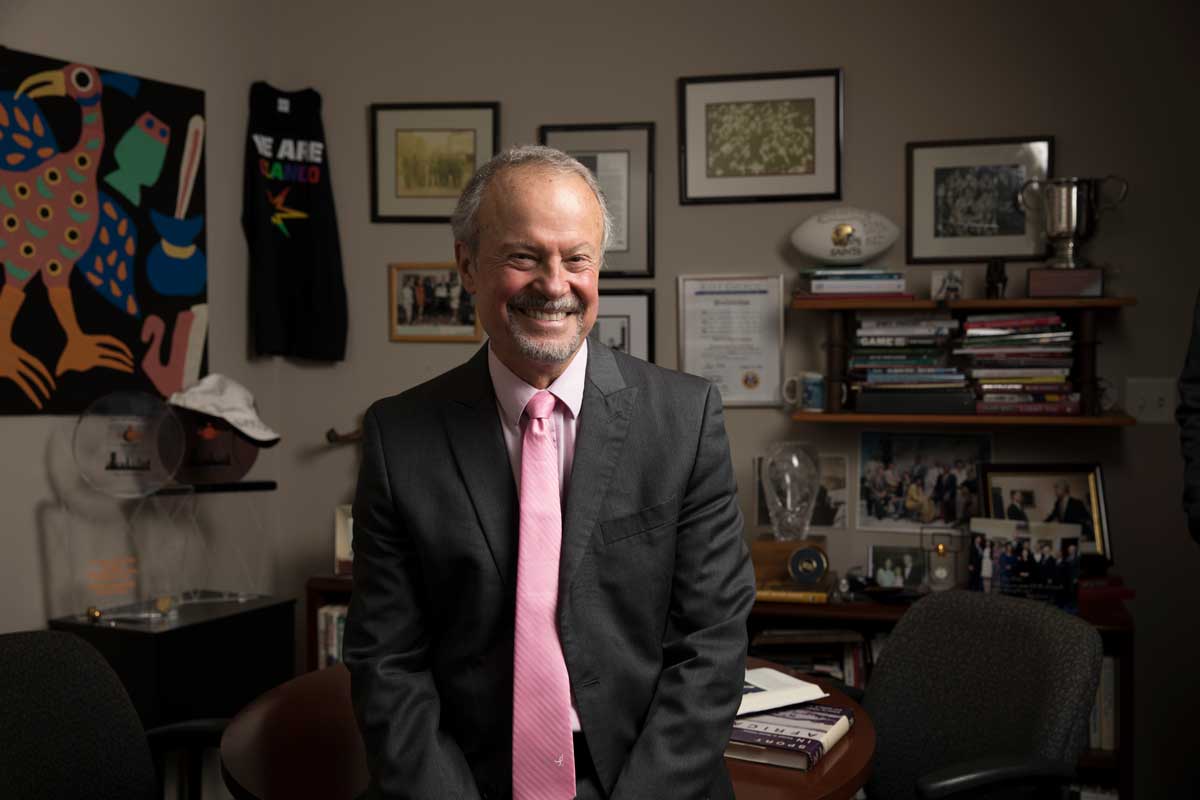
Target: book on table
x,y
767,688
796,737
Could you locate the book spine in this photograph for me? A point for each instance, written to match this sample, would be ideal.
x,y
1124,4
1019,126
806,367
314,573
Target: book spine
x,y
789,596
898,341
341,631
1029,397
322,621
1049,409
856,286
1006,321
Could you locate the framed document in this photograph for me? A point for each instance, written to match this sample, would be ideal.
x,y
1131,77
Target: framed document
x,y
731,332
621,156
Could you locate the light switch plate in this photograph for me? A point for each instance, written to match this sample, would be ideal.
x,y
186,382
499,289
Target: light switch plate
x,y
1151,400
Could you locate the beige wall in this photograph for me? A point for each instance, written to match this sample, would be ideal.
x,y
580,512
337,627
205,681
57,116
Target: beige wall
x,y
1112,84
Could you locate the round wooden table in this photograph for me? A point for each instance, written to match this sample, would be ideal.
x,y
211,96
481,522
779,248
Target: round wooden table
x,y
837,776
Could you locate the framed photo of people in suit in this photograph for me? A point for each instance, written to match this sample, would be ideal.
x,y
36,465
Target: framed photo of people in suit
x,y
1067,494
427,303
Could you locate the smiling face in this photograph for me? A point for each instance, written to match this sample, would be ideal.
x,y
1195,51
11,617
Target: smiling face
x,y
535,272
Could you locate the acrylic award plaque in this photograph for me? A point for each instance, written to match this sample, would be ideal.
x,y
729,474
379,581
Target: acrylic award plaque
x,y
128,444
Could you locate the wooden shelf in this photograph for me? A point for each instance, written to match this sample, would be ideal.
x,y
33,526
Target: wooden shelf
x,y
1013,303
1113,420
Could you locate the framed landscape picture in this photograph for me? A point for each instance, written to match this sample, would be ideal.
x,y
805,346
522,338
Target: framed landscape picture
x,y
621,156
427,303
764,137
423,155
625,322
963,199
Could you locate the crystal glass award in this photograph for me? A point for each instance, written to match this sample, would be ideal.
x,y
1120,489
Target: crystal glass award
x,y
791,478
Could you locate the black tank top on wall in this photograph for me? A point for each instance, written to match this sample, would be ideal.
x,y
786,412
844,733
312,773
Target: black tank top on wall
x,y
297,295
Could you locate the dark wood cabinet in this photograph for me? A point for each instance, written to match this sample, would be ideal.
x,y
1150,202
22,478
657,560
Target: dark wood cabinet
x,y
211,660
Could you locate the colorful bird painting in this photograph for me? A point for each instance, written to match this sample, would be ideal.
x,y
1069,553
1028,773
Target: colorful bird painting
x,y
53,218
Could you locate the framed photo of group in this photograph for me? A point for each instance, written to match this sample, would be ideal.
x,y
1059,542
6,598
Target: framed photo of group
x,y
621,156
427,303
625,322
423,155
774,136
963,199
1065,494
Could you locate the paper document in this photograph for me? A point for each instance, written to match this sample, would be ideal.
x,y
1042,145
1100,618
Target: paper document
x,y
767,688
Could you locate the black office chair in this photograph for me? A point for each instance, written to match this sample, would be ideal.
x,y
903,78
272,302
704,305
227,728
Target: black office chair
x,y
70,730
980,695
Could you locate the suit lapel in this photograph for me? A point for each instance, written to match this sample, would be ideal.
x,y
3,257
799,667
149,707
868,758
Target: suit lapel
x,y
473,426
603,423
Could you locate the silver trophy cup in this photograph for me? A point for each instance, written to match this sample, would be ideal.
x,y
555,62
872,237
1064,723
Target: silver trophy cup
x,y
1071,207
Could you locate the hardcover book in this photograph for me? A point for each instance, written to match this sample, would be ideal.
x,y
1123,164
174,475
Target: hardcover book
x,y
792,737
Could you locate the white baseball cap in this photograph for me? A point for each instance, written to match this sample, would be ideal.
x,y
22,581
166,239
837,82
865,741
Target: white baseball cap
x,y
222,396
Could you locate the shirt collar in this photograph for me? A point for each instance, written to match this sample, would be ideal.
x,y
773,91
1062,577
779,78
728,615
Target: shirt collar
x,y
514,393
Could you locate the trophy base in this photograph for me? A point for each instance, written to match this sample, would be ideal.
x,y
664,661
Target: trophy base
x,y
1066,255
1059,282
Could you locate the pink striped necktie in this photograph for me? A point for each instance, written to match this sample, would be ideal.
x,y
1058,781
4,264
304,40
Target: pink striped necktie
x,y
543,755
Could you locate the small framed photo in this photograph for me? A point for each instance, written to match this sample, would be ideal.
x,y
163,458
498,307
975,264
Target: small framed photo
x,y
829,509
1065,494
895,567
625,322
757,138
621,156
963,199
946,284
429,304
423,155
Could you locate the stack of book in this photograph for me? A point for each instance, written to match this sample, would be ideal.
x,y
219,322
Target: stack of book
x,y
1020,363
853,282
898,365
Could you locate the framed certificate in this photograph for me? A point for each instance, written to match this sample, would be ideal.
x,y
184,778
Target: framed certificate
x,y
731,332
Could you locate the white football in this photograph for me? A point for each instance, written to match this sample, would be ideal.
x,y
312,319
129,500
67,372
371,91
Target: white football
x,y
845,235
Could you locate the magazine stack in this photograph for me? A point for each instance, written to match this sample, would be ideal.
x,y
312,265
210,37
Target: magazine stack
x,y
898,365
1020,363
854,282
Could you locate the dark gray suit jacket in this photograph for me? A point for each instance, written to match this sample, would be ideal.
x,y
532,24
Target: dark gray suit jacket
x,y
655,585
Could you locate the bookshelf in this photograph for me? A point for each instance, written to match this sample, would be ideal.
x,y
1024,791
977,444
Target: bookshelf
x,y
321,590
841,318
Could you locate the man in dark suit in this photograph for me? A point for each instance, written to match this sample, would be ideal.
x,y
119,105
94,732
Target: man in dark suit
x,y
1070,510
653,579
1015,508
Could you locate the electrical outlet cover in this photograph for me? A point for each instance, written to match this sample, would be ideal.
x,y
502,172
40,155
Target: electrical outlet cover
x,y
1151,400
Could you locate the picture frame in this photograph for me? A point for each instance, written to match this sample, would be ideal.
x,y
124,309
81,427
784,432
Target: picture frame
x,y
945,467
763,137
731,332
832,507
625,322
343,539
423,155
962,199
621,156
1033,493
428,303
897,567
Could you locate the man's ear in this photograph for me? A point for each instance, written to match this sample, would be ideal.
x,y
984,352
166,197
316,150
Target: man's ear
x,y
466,265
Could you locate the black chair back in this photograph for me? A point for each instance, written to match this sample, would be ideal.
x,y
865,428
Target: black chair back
x,y
68,727
966,675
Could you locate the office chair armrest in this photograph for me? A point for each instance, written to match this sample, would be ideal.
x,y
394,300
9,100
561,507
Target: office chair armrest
x,y
192,734
990,772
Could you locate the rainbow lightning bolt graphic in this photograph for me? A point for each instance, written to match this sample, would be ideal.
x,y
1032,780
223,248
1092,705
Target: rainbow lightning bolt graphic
x,y
282,212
